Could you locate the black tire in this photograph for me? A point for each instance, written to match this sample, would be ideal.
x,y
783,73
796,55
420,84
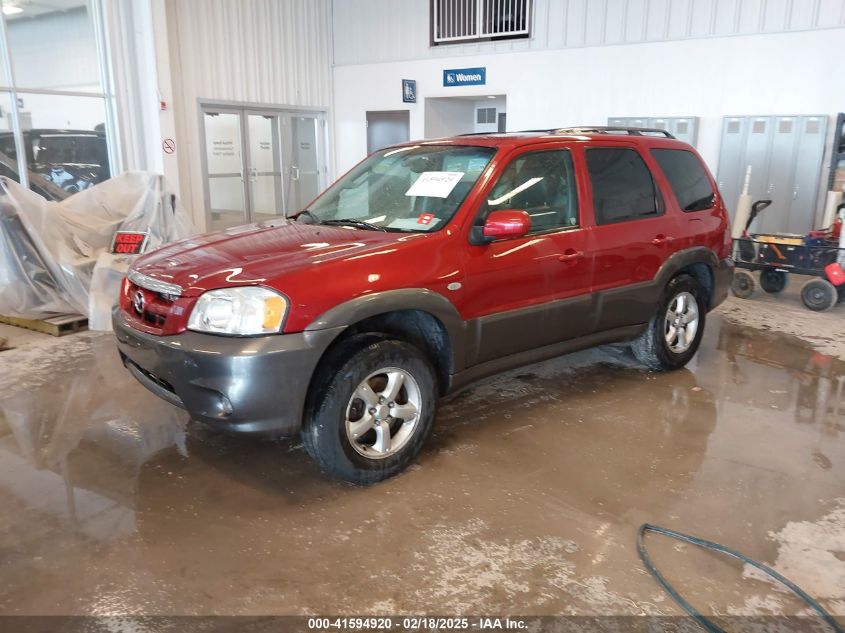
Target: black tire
x,y
819,295
743,284
651,348
841,291
773,281
324,431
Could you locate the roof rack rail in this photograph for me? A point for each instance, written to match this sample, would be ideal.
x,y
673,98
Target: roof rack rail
x,y
631,131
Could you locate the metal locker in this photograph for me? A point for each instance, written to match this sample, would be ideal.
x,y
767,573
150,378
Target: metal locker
x,y
812,133
758,147
682,128
731,154
785,154
779,177
660,124
685,129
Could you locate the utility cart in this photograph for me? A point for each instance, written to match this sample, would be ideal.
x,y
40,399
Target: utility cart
x,y
775,256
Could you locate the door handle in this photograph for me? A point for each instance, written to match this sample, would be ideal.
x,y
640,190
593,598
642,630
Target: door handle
x,y
571,255
660,240
294,172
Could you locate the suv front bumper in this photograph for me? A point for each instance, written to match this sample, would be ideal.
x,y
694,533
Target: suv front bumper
x,y
248,384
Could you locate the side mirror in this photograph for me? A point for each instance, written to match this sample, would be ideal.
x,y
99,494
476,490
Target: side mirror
x,y
505,224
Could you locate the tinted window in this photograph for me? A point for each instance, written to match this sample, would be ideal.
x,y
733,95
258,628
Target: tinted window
x,y
687,178
541,184
623,188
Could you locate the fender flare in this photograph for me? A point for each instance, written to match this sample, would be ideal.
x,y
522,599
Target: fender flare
x,y
681,259
422,299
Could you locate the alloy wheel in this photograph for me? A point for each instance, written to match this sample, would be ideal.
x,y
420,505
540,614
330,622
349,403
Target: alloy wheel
x,y
681,324
383,412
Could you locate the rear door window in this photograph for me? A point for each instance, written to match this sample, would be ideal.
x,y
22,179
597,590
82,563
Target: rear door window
x,y
687,178
623,188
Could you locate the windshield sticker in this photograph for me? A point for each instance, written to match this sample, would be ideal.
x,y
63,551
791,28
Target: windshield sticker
x,y
435,184
414,223
425,218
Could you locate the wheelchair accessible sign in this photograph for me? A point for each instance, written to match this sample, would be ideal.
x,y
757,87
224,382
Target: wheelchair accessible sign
x,y
464,77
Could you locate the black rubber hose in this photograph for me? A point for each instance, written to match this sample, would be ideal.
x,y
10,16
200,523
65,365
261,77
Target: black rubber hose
x,y
686,606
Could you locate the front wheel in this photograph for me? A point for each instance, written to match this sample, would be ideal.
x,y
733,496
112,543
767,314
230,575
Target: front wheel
x,y
674,332
372,412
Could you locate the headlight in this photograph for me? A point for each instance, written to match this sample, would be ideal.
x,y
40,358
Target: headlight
x,y
239,311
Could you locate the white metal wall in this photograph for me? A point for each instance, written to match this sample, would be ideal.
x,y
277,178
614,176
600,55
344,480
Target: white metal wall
x,y
253,51
372,31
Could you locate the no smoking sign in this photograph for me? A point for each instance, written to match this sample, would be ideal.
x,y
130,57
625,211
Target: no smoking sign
x,y
168,145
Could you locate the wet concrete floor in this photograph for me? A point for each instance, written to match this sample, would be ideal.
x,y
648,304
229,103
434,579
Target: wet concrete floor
x,y
527,499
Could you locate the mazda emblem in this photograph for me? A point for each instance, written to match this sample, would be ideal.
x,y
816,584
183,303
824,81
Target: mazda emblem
x,y
138,301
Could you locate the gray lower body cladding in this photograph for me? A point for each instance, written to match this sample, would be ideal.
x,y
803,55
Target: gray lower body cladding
x,y
248,384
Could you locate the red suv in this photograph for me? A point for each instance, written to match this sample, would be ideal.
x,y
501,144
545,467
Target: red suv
x,y
427,266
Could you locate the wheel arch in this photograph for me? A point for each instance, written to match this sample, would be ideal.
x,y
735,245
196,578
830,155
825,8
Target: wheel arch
x,y
421,317
698,262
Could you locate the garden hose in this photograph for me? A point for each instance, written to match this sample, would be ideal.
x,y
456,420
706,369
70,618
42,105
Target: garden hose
x,y
708,624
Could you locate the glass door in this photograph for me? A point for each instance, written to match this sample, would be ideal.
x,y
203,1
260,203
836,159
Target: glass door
x,y
224,163
304,132
264,166
260,163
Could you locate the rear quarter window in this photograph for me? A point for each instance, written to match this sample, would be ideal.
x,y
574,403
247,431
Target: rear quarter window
x,y
687,178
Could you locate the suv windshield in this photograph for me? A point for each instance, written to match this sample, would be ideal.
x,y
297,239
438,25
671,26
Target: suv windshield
x,y
416,188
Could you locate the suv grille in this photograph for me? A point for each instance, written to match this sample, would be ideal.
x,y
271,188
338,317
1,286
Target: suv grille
x,y
148,307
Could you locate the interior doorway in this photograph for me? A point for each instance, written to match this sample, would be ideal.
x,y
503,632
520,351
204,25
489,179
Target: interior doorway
x,y
387,127
450,116
260,163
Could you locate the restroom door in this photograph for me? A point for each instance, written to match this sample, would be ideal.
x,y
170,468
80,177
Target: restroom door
x,y
387,127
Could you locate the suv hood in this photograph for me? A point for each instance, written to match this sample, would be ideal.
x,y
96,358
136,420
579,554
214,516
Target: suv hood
x,y
258,253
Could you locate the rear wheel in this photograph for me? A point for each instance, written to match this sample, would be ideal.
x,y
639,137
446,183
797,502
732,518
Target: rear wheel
x,y
743,284
773,281
819,295
371,411
674,332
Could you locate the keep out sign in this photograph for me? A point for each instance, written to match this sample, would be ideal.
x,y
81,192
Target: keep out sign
x,y
129,242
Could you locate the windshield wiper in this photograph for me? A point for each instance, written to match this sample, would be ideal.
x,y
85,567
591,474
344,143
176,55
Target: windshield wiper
x,y
359,224
308,214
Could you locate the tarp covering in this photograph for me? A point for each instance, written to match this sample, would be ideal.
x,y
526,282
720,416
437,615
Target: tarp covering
x,y
54,256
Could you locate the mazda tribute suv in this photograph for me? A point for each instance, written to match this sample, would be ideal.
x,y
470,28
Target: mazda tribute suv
x,y
428,266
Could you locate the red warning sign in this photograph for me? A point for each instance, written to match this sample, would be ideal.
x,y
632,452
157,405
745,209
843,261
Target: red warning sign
x,y
129,242
168,145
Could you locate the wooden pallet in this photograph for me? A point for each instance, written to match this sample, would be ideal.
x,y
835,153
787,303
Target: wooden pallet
x,y
58,325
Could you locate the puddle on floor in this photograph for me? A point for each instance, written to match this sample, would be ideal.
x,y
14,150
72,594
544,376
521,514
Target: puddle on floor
x,y
527,499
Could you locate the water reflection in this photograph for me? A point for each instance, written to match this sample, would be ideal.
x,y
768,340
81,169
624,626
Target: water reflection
x,y
74,444
776,372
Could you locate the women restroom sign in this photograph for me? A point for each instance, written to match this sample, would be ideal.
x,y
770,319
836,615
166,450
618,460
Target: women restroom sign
x,y
464,77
